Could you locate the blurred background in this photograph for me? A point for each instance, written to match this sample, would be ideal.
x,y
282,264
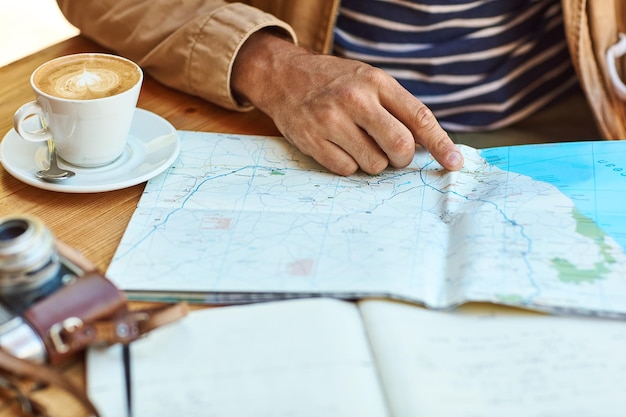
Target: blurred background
x,y
27,26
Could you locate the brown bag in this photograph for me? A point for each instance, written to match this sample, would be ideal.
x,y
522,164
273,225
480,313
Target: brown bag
x,y
593,29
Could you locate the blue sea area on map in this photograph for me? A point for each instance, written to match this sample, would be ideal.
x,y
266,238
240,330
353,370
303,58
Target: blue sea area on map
x,y
592,174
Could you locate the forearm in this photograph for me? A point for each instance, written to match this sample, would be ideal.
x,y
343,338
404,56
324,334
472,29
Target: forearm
x,y
190,47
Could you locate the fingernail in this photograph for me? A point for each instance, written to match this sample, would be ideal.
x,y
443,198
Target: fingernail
x,y
454,159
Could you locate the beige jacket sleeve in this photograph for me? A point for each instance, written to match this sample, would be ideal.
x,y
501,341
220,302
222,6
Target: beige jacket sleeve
x,y
189,45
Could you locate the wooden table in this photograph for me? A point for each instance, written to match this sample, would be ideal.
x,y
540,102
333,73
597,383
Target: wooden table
x,y
94,223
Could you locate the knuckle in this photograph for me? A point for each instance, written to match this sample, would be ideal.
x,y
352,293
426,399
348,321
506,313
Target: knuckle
x,y
428,131
424,118
401,144
402,149
373,75
440,144
357,91
351,95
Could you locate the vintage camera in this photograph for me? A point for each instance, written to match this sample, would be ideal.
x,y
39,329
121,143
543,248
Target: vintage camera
x,y
43,293
30,265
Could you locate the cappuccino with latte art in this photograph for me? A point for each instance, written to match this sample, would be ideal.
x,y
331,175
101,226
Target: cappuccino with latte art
x,y
80,77
85,103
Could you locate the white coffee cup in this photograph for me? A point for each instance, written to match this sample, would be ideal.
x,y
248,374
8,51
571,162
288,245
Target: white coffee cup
x,y
85,103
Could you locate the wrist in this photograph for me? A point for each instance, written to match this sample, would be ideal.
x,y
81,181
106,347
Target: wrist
x,y
256,65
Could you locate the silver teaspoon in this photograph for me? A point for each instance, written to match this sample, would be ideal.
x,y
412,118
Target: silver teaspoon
x,y
54,172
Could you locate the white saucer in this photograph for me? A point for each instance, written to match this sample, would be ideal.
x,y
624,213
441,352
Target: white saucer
x,y
153,145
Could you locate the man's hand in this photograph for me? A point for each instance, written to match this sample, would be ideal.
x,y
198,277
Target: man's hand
x,y
345,114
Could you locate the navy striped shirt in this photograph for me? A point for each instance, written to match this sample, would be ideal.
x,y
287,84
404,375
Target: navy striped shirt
x,y
478,64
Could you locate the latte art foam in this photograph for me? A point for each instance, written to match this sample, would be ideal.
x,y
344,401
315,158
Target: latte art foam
x,y
86,77
88,84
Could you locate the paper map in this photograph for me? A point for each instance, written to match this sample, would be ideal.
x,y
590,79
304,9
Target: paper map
x,y
535,225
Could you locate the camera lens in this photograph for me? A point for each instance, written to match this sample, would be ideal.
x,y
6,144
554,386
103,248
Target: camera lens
x,y
28,257
12,229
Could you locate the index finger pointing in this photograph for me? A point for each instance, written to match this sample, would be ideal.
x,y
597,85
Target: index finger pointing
x,y
426,130
431,135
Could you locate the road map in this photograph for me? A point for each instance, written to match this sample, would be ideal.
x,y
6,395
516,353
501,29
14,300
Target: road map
x,y
240,218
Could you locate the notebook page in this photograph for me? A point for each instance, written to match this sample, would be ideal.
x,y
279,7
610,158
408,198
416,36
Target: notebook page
x,y
493,361
305,358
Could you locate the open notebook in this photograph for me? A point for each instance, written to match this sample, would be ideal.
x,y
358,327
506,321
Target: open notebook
x,y
325,357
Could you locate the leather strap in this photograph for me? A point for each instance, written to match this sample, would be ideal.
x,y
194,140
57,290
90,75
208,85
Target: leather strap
x,y
124,328
15,369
